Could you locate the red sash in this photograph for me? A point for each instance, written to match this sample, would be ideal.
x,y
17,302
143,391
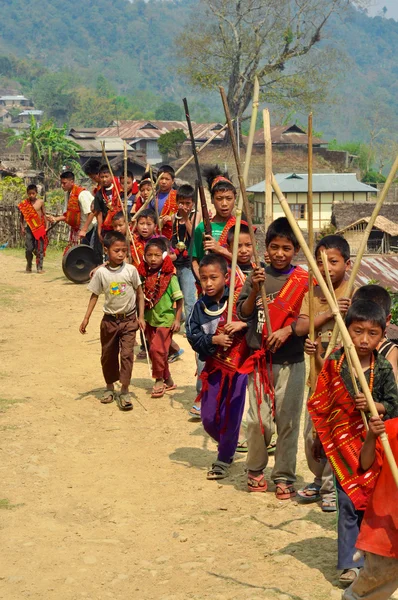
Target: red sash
x,y
73,213
137,249
341,430
155,283
170,208
114,205
36,224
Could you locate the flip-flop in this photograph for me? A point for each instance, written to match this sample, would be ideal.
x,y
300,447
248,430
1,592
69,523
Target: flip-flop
x,y
157,392
170,388
106,395
308,494
284,491
242,446
124,402
195,412
348,576
261,483
219,470
329,505
173,357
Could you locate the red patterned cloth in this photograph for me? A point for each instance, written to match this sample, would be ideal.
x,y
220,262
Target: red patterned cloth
x,y
170,208
113,204
36,224
73,213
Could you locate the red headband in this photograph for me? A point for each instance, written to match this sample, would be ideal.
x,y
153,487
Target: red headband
x,y
218,179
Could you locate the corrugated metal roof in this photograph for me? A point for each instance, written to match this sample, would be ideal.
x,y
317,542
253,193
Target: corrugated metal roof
x,y
19,97
321,182
382,268
35,113
115,144
286,134
381,223
152,130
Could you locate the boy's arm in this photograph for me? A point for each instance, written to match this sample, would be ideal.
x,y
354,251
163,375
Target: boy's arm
x,y
210,245
389,396
140,307
22,221
43,208
246,304
200,342
368,452
175,328
83,230
91,305
195,268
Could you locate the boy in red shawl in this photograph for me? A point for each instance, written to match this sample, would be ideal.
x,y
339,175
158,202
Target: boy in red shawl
x,y
33,215
161,292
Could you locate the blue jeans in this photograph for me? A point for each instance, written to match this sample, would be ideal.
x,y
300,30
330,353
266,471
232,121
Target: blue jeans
x,y
187,284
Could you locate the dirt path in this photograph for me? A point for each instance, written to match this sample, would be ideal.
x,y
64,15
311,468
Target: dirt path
x,y
104,504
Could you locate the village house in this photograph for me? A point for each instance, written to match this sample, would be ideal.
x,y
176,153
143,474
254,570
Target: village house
x,y
383,238
15,101
328,188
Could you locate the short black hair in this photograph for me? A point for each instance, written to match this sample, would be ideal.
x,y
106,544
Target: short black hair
x,y
224,185
111,237
363,310
104,169
185,192
334,242
147,214
231,233
129,174
31,186
92,167
374,293
119,215
281,228
158,243
67,175
166,169
214,259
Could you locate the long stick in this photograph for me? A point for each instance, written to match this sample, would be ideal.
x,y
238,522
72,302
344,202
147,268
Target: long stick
x,y
147,354
363,245
125,177
268,168
310,229
238,213
155,199
202,147
340,322
246,205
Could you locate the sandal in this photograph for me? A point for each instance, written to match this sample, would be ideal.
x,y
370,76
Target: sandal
x,y
329,505
158,392
124,402
284,491
195,412
170,388
271,448
256,483
310,493
219,470
242,446
141,355
108,397
348,576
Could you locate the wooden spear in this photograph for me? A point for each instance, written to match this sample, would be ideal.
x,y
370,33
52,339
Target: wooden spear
x,y
340,322
246,205
363,246
155,199
125,177
238,213
268,168
310,229
202,147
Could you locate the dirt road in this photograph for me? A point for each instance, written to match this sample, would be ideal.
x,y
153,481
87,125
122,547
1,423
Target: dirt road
x,y
104,504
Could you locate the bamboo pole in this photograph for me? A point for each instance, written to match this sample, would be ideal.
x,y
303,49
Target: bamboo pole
x,y
238,213
246,205
363,245
268,214
125,177
340,323
310,229
155,198
199,150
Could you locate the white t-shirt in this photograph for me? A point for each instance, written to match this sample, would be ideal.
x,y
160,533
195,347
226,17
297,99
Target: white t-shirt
x,y
85,200
119,286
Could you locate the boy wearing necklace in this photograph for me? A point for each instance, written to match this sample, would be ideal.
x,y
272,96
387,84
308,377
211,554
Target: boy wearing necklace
x,y
284,350
335,397
220,345
121,285
107,201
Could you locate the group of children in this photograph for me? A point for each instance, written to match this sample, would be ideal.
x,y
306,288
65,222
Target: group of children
x,y
162,265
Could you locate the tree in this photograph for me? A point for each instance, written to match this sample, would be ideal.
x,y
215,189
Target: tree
x,y
171,142
54,93
50,150
169,111
234,40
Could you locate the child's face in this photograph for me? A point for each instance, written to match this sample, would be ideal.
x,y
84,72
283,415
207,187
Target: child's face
x,y
119,225
32,195
185,206
129,183
337,266
117,253
145,227
245,249
366,336
95,177
224,203
106,179
212,280
281,252
165,182
154,257
67,184
145,191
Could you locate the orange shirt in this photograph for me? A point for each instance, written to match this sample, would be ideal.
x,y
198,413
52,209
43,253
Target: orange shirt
x,y
379,529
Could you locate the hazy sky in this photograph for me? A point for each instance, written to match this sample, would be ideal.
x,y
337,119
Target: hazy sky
x,y
391,5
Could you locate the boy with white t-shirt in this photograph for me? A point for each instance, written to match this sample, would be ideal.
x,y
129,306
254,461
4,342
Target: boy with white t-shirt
x,y
121,285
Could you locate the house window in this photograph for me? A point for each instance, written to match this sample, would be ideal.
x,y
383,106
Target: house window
x,y
298,210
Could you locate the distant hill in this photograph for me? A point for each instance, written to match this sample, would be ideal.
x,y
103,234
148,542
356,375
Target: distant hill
x,y
132,45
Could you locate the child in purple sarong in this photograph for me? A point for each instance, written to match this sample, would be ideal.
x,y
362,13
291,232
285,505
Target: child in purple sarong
x,y
220,345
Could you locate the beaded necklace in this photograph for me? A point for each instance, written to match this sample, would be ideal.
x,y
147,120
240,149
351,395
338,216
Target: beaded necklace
x,y
372,368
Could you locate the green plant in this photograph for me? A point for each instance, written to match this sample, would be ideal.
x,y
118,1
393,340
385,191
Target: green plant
x,y
171,142
12,190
